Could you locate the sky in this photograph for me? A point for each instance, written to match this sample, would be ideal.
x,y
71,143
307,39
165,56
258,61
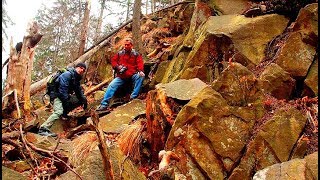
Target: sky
x,y
20,12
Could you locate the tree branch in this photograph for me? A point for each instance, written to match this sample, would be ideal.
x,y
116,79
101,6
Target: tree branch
x,y
103,147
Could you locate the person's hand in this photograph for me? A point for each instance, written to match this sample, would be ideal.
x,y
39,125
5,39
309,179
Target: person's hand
x,y
121,69
141,74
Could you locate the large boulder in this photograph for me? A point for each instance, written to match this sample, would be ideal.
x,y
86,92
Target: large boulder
x,y
239,86
122,116
273,143
311,80
295,56
299,49
163,104
9,174
250,36
201,13
182,89
230,6
277,82
225,38
303,169
208,129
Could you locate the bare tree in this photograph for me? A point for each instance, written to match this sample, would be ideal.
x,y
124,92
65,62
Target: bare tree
x,y
19,73
136,32
98,28
153,6
85,26
147,4
128,9
5,22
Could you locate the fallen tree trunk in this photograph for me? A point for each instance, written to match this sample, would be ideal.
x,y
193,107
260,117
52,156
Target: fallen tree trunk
x,y
98,86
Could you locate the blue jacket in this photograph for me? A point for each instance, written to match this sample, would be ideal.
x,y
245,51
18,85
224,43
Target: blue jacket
x,y
68,83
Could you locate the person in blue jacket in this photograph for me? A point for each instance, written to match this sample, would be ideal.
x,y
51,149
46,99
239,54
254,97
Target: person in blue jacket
x,y
64,100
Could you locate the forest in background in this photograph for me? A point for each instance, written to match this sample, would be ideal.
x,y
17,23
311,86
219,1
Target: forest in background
x,y
62,23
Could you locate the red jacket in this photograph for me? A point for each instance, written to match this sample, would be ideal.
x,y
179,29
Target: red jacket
x,y
132,61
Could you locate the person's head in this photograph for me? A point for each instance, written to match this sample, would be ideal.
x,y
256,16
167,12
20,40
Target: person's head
x,y
80,68
128,44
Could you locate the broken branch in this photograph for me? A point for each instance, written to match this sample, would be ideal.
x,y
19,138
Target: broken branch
x,y
102,146
98,86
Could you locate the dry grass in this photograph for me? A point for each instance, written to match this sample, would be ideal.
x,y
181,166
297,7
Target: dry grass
x,y
130,139
82,146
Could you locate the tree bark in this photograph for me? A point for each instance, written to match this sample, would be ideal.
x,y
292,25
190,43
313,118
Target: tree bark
x,y
20,68
98,28
153,6
84,31
128,9
147,4
136,32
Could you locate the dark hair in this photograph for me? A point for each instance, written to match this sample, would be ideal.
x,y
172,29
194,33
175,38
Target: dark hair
x,y
83,65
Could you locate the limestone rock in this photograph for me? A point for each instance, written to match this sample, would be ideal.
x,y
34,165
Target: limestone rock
x,y
120,117
9,174
162,106
277,82
182,89
231,6
249,35
295,56
298,51
158,76
306,168
207,128
223,38
311,80
238,85
268,147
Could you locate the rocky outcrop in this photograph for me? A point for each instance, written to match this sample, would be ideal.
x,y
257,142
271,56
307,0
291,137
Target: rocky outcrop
x,y
206,130
306,168
230,6
269,146
225,38
312,79
299,49
9,174
119,118
239,86
277,82
163,104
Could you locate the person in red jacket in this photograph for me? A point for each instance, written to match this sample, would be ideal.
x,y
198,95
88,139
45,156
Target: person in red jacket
x,y
128,65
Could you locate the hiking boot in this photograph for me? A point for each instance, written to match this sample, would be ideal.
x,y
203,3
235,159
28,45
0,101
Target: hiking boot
x,y
65,117
103,108
46,132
